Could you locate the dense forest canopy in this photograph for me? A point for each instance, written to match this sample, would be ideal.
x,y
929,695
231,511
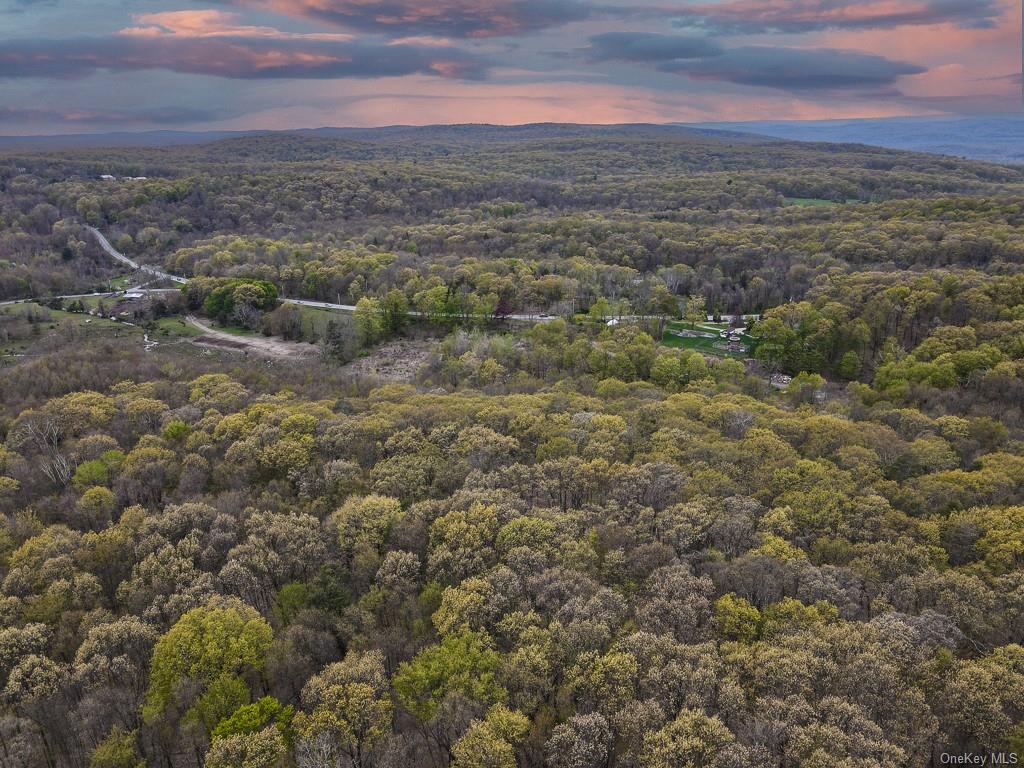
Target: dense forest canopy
x,y
615,535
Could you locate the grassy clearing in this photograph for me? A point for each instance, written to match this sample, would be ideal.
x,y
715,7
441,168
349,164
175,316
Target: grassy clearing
x,y
85,321
123,282
315,320
11,346
93,302
704,344
48,321
244,333
808,201
314,323
168,328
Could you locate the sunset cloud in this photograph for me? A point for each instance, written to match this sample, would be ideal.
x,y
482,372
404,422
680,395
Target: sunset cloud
x,y
649,47
291,63
230,57
446,18
795,16
797,69
212,23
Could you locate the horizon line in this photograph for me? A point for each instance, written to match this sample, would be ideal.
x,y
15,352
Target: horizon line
x,y
397,126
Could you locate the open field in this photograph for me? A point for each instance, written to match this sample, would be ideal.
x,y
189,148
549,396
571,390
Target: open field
x,y
709,340
20,335
123,282
170,328
809,201
315,320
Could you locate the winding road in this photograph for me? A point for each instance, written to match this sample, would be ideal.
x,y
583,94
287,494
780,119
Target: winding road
x,y
159,273
118,256
212,337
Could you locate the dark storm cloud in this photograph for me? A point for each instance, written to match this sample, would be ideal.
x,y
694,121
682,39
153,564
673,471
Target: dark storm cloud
x,y
796,69
793,69
232,57
159,116
796,16
444,18
648,47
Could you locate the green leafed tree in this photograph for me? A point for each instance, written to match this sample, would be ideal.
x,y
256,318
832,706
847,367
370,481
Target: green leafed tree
x,y
215,647
465,664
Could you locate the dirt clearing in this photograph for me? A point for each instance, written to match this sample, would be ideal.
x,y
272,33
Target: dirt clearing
x,y
256,345
396,362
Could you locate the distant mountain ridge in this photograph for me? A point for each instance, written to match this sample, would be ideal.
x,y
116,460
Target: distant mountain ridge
x,y
993,138
997,138
449,132
119,139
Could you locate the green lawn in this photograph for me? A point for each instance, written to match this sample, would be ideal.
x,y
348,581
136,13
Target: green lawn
x,y
818,202
808,201
706,326
174,327
233,330
701,343
92,302
123,282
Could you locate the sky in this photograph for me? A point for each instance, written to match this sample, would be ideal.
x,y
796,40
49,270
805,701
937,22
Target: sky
x,y
74,66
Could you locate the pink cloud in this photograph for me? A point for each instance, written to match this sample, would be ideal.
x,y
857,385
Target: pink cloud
x,y
426,40
976,53
455,18
230,56
810,15
212,23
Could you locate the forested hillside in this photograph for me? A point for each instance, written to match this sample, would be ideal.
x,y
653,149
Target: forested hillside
x,y
592,530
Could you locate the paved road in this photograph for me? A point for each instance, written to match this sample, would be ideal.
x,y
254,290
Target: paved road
x,y
320,305
535,318
47,298
115,254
